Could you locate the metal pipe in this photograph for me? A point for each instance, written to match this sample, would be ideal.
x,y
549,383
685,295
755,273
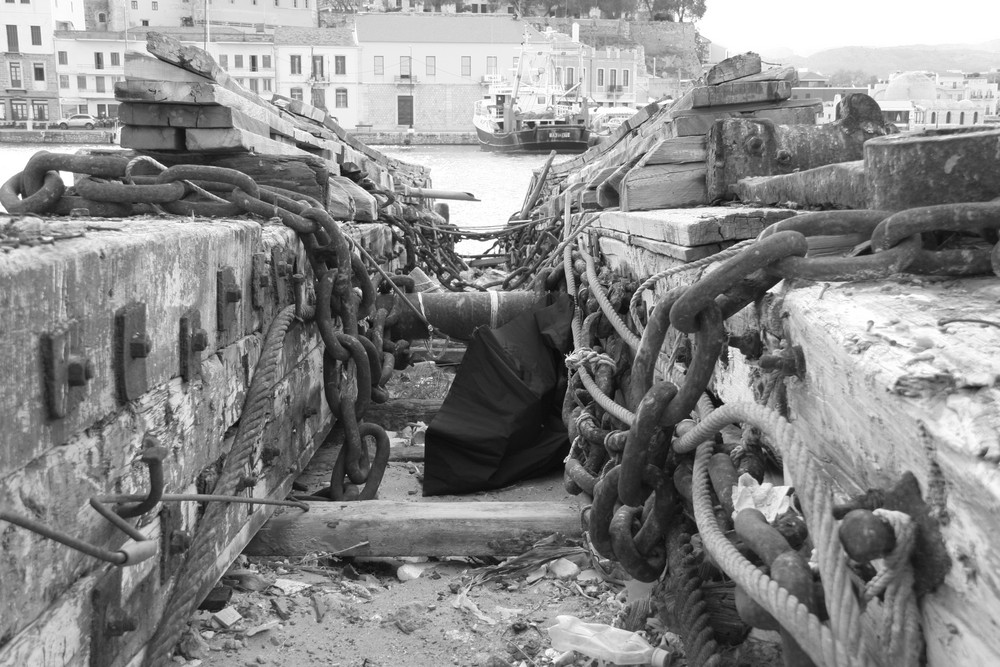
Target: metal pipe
x,y
456,314
129,554
429,193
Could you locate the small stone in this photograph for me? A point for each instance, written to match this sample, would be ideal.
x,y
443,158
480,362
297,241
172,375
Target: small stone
x,y
564,569
227,617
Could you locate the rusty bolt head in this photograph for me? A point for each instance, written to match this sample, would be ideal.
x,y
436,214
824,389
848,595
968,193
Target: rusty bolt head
x,y
233,294
755,145
79,213
783,156
298,278
140,346
180,541
199,340
282,268
79,371
264,280
119,623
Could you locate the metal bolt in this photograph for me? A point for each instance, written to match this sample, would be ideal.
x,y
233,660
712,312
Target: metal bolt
x,y
199,340
140,346
783,156
79,370
268,454
264,280
282,268
119,623
233,294
180,541
246,482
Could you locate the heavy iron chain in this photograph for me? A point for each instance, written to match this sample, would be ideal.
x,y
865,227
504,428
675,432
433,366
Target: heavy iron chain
x,y
635,487
357,363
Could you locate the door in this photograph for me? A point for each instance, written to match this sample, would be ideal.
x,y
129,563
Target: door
x,y
404,110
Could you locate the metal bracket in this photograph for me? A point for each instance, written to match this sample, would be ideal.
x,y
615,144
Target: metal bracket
x,y
174,540
260,279
65,368
193,341
132,346
228,293
283,261
108,622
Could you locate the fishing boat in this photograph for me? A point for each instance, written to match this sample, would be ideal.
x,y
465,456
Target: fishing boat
x,y
532,114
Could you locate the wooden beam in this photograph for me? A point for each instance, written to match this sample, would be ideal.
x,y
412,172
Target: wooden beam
x,y
663,186
399,412
152,138
734,67
174,115
431,528
677,150
841,185
141,66
740,93
232,140
695,122
694,226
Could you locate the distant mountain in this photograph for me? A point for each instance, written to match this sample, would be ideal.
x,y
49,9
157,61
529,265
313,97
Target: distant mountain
x,y
883,61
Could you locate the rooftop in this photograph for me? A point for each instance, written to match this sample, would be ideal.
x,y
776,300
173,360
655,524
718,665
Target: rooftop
x,y
447,28
341,36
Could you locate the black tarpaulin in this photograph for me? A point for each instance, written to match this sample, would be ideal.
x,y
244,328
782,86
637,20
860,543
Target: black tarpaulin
x,y
501,421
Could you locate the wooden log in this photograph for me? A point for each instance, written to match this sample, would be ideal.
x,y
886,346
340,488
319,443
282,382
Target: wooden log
x,y
153,138
677,150
740,148
888,390
733,67
365,206
694,227
141,66
695,122
841,185
663,186
740,93
789,74
174,115
932,167
390,528
399,412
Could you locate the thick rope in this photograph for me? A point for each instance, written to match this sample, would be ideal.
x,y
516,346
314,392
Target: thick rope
x,y
190,584
824,644
597,290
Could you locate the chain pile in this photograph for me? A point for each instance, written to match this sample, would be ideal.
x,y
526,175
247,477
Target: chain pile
x,y
657,478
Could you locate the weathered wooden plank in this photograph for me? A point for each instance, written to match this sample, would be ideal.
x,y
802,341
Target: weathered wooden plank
x,y
390,528
174,115
680,252
663,186
231,139
790,74
141,66
677,150
740,93
842,185
695,122
888,390
932,167
694,227
152,138
398,412
364,204
734,67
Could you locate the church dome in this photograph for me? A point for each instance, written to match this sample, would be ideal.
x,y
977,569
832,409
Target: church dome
x,y
910,86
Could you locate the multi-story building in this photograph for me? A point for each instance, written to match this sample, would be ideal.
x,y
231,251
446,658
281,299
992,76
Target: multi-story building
x,y
88,63
321,66
917,100
259,15
426,71
28,86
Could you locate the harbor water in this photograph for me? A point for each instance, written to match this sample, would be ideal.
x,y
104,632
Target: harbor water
x,y
499,181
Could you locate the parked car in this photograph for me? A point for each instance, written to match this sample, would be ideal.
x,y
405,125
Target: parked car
x,y
84,120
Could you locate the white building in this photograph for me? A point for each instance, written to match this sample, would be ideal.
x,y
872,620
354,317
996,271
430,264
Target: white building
x,y
321,66
88,63
914,101
28,84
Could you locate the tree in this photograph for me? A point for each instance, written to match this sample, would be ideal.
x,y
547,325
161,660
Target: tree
x,y
844,78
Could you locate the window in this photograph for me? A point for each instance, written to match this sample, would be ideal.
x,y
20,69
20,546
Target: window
x,y
317,67
277,3
379,65
18,110
116,59
340,64
947,118
3,112
404,67
569,76
933,117
38,69
431,66
961,118
82,108
102,17
491,65
224,61
102,110
296,65
135,4
612,78
99,83
63,58
156,6
466,65
16,80
265,62
600,76
40,109
340,98
36,35
98,60
975,117
64,81
267,85
295,93
625,74
253,64
145,23
238,61
12,44
81,82
255,85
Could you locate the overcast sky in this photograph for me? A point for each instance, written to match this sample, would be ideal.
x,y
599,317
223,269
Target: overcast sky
x,y
807,26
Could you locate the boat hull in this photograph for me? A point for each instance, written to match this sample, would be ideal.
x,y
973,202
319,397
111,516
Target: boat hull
x,y
565,139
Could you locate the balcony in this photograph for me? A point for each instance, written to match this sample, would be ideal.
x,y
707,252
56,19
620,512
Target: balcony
x,y
405,78
319,80
615,89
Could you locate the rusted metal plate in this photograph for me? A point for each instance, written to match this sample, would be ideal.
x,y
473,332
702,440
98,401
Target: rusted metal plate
x,y
228,295
132,346
66,369
193,341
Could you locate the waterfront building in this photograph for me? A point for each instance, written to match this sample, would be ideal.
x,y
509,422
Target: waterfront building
x,y
29,90
322,67
88,64
426,71
918,100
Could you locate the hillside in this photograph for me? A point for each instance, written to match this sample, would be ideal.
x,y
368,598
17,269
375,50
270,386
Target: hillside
x,y
884,60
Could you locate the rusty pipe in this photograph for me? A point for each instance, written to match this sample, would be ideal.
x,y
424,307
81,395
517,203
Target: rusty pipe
x,y
456,314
